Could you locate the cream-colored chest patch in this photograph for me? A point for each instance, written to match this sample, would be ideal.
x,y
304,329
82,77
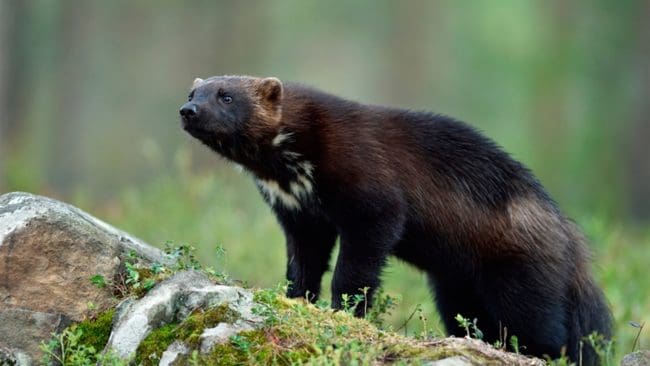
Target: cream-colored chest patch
x,y
281,137
300,189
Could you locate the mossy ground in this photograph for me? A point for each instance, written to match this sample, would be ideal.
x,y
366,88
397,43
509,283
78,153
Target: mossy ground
x,y
294,332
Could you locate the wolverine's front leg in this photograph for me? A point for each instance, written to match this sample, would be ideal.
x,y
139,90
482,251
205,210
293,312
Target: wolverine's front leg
x,y
310,240
367,238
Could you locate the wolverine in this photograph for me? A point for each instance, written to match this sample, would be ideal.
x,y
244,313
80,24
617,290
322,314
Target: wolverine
x,y
423,187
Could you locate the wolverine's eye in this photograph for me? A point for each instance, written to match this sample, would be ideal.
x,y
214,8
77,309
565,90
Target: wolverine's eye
x,y
189,98
226,99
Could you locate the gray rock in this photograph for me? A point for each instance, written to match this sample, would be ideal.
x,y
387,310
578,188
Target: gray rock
x,y
451,361
220,334
638,358
23,330
12,357
172,301
48,252
172,352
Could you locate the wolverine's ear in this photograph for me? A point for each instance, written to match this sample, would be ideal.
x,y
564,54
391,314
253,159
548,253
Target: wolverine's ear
x,y
271,89
196,82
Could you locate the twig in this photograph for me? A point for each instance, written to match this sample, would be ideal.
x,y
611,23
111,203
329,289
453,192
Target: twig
x,y
408,319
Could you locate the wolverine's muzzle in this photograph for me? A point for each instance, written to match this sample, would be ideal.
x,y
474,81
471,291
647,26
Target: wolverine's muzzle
x,y
188,110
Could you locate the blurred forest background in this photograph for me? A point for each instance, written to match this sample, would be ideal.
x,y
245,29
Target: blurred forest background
x,y
89,94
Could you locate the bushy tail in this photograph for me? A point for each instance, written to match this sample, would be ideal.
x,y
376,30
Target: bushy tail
x,y
590,315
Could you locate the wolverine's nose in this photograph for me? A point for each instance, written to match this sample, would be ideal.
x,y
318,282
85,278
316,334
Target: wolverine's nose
x,y
188,110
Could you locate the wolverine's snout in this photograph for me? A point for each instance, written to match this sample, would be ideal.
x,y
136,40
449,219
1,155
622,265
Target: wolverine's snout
x,y
188,110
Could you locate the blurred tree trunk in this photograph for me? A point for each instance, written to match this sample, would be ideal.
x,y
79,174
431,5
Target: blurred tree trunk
x,y
3,104
549,109
405,56
638,149
71,37
10,10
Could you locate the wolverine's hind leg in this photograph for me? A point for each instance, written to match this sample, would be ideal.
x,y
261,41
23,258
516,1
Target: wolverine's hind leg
x,y
453,297
530,303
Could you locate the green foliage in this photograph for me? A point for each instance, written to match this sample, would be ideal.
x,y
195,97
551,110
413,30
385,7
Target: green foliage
x,y
383,306
350,303
82,344
470,327
183,255
242,343
604,348
137,278
636,339
514,343
98,280
562,361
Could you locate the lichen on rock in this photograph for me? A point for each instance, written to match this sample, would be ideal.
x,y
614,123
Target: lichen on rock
x,y
188,299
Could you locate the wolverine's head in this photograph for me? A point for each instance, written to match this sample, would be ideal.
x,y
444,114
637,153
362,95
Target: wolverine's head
x,y
226,112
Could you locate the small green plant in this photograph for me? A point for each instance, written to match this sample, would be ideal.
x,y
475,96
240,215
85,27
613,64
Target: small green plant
x,y
241,343
423,319
137,278
639,326
561,361
346,303
382,307
603,347
322,304
501,343
418,308
183,258
471,328
194,358
98,280
268,300
183,255
68,349
514,343
132,275
351,303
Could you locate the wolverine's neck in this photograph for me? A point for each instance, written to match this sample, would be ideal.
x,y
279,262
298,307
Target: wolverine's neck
x,y
283,170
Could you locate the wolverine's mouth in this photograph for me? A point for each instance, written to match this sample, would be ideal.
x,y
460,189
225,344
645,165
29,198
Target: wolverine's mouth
x,y
197,130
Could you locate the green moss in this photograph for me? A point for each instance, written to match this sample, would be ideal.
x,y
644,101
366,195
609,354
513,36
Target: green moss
x,y
188,331
247,348
304,334
151,348
95,331
191,328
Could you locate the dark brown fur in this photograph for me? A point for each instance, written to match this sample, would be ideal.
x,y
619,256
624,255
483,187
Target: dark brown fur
x,y
426,188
